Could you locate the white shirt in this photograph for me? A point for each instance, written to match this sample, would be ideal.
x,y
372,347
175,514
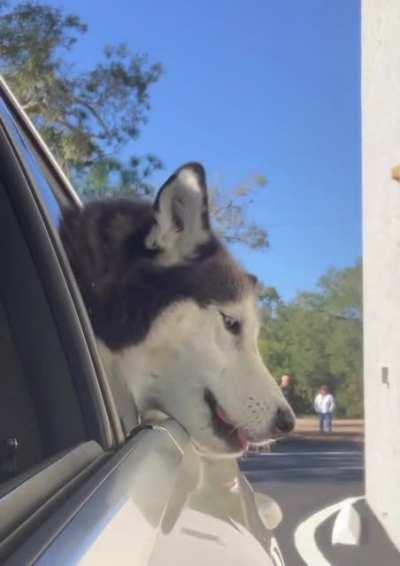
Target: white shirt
x,y
324,403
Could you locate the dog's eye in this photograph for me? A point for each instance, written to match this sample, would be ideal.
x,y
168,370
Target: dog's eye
x,y
231,324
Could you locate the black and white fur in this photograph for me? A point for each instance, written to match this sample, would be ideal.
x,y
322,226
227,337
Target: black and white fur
x,y
175,315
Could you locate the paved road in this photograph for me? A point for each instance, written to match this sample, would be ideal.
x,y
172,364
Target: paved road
x,y
307,476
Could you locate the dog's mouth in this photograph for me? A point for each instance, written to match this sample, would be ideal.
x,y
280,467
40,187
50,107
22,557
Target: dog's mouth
x,y
235,437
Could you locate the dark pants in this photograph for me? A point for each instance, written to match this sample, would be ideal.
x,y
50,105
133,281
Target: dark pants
x,y
325,422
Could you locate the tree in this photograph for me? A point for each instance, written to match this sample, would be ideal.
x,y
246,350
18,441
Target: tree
x,y
85,117
229,211
317,338
341,291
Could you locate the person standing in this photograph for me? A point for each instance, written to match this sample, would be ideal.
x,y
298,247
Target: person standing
x,y
286,388
324,405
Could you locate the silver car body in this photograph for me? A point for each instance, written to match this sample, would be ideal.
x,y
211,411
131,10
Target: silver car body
x,y
164,505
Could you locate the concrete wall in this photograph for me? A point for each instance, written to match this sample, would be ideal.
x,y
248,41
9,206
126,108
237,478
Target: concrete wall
x,y
381,215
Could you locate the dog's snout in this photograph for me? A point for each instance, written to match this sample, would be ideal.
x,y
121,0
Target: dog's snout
x,y
284,420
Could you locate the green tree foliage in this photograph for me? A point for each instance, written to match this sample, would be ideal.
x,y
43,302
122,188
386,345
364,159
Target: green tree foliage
x,y
317,339
88,116
85,117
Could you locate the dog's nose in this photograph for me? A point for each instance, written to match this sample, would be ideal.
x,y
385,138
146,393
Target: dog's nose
x,y
285,420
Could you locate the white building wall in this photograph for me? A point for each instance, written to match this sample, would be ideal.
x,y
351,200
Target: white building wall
x,y
381,241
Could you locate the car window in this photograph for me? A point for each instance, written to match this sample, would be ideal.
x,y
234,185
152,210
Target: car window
x,y
32,163
39,409
21,441
54,424
55,197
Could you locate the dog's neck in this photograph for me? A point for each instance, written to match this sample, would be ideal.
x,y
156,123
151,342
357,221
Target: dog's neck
x,y
132,368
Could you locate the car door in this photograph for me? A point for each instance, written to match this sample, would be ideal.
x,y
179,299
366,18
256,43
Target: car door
x,y
74,462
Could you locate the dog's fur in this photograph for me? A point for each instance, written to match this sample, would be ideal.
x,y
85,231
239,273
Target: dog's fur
x,y
175,314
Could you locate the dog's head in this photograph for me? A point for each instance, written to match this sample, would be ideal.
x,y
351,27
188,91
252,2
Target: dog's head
x,y
199,360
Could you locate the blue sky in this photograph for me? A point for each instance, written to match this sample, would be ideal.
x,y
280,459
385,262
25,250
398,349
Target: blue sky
x,y
255,86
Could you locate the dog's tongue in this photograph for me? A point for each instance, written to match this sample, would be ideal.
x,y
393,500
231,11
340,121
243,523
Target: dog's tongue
x,y
222,415
244,441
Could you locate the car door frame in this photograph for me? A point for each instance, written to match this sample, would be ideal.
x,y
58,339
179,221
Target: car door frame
x,y
60,477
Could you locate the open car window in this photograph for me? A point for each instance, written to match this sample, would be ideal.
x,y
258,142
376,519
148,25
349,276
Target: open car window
x,y
54,195
53,420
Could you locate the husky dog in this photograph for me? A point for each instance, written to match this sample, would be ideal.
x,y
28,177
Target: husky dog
x,y
175,314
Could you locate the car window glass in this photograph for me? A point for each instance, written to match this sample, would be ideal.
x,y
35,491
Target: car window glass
x,y
39,410
56,198
34,168
19,419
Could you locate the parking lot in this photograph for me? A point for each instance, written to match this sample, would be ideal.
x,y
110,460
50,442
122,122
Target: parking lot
x,y
306,475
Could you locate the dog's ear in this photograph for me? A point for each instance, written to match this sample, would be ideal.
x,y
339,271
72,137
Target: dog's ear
x,y
181,218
